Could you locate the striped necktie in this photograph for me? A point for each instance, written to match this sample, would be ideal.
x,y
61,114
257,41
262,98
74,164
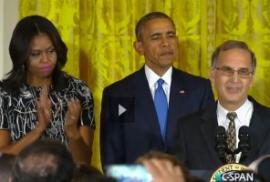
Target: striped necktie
x,y
231,137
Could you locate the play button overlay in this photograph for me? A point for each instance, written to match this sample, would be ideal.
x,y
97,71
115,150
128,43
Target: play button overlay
x,y
122,109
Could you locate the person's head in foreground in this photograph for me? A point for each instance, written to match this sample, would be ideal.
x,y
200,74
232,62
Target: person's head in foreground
x,y
43,161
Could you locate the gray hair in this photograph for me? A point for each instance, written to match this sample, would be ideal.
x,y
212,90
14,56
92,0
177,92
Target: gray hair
x,y
231,44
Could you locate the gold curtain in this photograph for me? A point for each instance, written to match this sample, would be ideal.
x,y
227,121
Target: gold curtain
x,y
99,35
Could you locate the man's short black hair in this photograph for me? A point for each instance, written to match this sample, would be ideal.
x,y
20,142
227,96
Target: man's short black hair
x,y
44,161
6,164
146,18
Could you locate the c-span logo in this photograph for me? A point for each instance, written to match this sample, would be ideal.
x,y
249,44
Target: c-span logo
x,y
234,173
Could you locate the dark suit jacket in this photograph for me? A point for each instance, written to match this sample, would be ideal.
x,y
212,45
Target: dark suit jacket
x,y
196,137
125,141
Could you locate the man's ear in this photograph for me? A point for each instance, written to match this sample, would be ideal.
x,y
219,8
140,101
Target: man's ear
x,y
212,73
138,47
251,81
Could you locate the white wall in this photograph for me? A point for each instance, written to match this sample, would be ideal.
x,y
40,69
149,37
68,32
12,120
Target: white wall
x,y
9,13
1,37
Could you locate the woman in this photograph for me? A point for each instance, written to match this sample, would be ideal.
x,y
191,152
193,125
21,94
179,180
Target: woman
x,y
38,100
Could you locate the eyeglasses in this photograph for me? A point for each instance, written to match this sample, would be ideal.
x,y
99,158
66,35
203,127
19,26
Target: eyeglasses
x,y
228,71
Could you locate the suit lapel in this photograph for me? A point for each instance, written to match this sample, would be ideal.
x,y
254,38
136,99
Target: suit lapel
x,y
256,124
209,129
144,104
178,98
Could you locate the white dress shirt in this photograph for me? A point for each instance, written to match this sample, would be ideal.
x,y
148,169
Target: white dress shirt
x,y
152,79
243,118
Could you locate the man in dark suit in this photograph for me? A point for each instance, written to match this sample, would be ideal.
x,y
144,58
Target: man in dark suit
x,y
200,144
130,124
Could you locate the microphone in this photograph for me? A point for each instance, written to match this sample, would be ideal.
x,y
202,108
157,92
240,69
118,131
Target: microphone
x,y
221,144
244,141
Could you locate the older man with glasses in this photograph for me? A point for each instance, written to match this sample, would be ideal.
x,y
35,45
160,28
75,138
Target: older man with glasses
x,y
234,130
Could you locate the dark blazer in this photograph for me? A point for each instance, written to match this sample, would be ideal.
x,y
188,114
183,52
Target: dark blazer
x,y
125,141
195,143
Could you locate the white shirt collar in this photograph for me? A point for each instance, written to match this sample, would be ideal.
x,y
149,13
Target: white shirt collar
x,y
152,77
244,114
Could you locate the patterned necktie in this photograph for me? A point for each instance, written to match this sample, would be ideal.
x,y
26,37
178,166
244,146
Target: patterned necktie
x,y
231,137
161,106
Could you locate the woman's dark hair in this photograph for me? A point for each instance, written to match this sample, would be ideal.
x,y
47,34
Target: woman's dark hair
x,y
19,50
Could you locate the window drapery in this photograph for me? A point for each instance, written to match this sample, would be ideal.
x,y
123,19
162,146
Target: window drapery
x,y
100,34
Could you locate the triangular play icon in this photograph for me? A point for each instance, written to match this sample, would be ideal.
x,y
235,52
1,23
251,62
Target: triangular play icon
x,y
121,109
